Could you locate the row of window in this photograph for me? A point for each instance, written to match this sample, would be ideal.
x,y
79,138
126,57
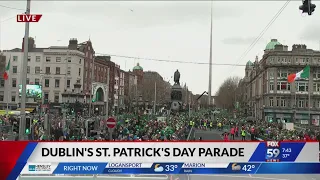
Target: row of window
x,y
37,70
283,102
301,86
37,82
284,74
46,97
297,60
48,59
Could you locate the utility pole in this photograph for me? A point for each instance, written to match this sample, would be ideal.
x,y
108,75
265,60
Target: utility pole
x,y
155,98
64,109
107,93
210,62
22,123
91,91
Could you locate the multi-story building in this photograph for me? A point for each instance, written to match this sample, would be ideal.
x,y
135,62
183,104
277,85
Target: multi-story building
x,y
270,96
153,83
116,104
138,71
49,67
100,83
130,88
121,90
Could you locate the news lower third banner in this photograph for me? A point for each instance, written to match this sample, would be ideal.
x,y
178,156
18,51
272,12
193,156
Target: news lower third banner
x,y
157,157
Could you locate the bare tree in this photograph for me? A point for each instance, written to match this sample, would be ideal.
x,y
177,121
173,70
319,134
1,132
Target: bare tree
x,y
226,95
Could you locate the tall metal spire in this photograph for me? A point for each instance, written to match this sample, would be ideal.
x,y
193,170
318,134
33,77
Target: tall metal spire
x,y
210,61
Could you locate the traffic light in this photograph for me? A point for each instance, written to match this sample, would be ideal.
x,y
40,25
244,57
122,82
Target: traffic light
x,y
28,125
93,100
307,7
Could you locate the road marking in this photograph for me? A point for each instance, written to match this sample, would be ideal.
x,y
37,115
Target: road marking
x,y
248,177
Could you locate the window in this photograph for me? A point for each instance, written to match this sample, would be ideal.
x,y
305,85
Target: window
x,y
316,87
1,97
13,98
78,81
303,86
271,75
68,83
28,69
28,81
46,82
29,58
282,74
47,70
57,70
282,102
48,59
14,69
37,70
301,103
271,86
69,71
79,61
278,101
58,59
69,59
56,98
46,97
57,83
316,75
2,83
283,86
271,101
15,58
37,81
38,58
79,71
14,83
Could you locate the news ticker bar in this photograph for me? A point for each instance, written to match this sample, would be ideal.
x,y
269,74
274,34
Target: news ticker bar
x,y
179,168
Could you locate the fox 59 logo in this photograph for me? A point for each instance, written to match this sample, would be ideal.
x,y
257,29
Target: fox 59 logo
x,y
273,151
39,167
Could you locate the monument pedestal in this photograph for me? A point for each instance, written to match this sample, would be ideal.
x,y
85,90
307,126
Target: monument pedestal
x,y
176,97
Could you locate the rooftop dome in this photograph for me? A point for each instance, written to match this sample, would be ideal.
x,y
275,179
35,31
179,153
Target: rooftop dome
x,y
249,63
137,67
271,45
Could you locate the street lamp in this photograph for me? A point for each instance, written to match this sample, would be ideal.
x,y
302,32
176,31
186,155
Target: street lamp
x,y
77,104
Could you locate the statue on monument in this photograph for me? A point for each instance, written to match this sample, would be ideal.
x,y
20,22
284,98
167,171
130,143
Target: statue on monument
x,y
177,77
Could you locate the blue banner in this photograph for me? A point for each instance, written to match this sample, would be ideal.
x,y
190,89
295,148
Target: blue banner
x,y
177,168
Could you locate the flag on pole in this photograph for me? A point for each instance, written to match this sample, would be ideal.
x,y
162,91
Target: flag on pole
x,y
6,73
303,74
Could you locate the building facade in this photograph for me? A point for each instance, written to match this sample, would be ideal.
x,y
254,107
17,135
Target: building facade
x,y
268,94
106,61
49,67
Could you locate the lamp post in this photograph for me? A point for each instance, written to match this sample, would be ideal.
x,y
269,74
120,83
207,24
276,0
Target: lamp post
x,y
77,106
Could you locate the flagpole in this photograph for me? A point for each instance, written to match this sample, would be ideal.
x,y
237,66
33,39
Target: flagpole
x,y
22,123
8,87
309,97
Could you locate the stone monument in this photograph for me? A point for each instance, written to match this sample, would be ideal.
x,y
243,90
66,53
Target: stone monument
x,y
176,93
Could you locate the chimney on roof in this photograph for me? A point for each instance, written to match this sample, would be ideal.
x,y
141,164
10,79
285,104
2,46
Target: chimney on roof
x,y
31,44
73,44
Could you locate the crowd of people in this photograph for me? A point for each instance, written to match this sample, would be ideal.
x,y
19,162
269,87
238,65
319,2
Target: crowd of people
x,y
132,127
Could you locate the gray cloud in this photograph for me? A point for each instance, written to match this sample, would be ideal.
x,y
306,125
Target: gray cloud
x,y
311,33
240,40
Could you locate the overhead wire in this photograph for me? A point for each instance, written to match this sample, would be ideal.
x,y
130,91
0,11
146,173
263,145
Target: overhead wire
x,y
8,7
168,61
256,40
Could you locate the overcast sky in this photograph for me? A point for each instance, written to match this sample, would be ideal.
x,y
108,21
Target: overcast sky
x,y
176,30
